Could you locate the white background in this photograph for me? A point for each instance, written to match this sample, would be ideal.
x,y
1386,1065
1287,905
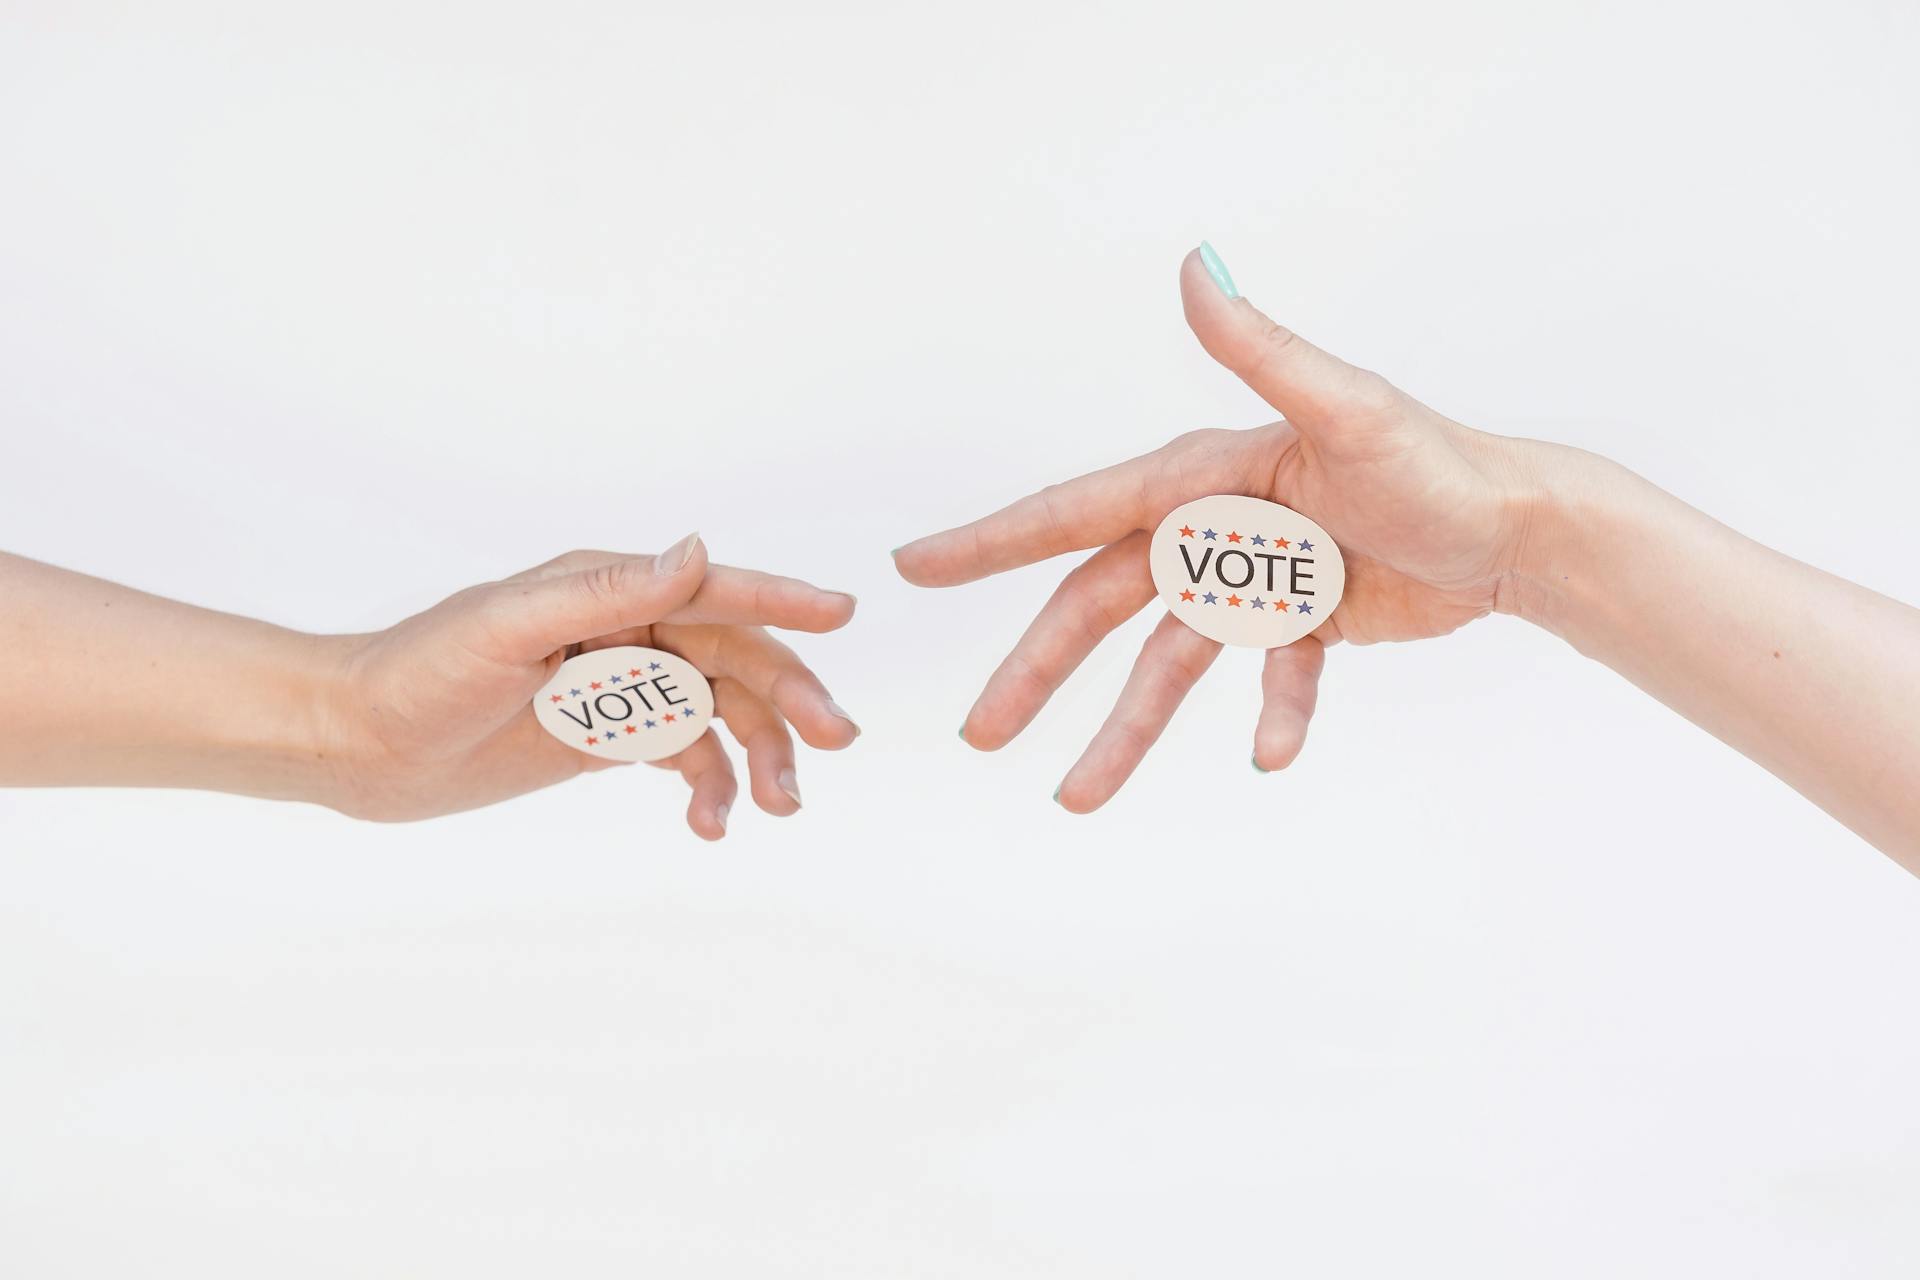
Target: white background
x,y
319,313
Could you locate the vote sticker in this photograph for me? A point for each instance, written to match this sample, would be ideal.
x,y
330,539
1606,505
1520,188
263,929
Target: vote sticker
x,y
628,703
1245,571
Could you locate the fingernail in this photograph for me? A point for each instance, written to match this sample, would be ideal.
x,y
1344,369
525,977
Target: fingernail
x,y
1218,270
1056,793
963,734
720,815
1255,759
675,557
841,711
790,784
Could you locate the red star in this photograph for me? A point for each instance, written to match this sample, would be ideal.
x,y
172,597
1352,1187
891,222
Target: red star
x,y
669,719
554,698
1186,595
633,671
1280,542
1233,537
1233,602
593,742
594,685
1186,531
631,729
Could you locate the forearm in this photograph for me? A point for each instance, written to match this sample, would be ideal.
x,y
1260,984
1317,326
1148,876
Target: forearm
x,y
105,686
1813,677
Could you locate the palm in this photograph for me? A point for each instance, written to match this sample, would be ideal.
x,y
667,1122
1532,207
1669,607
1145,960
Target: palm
x,y
446,726
1415,521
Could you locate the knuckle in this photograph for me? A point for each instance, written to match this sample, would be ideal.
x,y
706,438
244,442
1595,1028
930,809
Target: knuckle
x,y
1026,678
1272,345
1275,336
1197,441
768,737
1273,340
482,598
497,613
1371,394
1050,500
1196,458
1089,611
607,586
766,598
1136,738
1167,684
788,686
1104,614
1179,669
564,563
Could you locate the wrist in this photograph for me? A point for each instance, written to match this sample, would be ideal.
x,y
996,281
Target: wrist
x,y
345,744
279,732
246,709
1562,502
328,720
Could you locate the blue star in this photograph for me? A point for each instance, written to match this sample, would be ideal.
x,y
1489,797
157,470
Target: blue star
x,y
653,666
609,735
1207,534
688,713
615,679
1304,607
649,724
1305,545
574,692
1257,603
1259,541
1209,597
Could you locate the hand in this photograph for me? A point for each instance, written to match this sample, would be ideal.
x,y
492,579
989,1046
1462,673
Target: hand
x,y
1430,515
432,716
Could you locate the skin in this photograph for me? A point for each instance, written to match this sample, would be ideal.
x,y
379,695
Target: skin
x,y
1441,525
430,716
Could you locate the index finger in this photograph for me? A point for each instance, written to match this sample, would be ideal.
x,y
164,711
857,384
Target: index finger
x,y
1091,511
739,597
748,597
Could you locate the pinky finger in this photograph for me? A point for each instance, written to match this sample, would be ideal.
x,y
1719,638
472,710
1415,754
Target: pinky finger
x,y
708,771
1289,688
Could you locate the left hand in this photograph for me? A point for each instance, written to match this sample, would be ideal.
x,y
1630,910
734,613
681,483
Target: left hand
x,y
433,715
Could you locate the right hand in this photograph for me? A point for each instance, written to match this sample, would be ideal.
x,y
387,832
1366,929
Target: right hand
x,y
1431,517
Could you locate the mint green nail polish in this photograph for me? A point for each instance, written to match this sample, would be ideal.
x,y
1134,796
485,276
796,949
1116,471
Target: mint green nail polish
x,y
1218,270
963,733
1255,761
1056,792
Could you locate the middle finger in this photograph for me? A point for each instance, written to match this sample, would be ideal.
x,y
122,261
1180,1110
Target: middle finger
x,y
1108,588
1173,659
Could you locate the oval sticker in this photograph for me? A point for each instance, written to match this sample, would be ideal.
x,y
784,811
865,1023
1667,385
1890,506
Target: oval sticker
x,y
1245,571
629,703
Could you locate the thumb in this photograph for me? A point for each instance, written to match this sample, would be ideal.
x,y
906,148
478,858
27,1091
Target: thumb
x,y
531,617
1324,397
